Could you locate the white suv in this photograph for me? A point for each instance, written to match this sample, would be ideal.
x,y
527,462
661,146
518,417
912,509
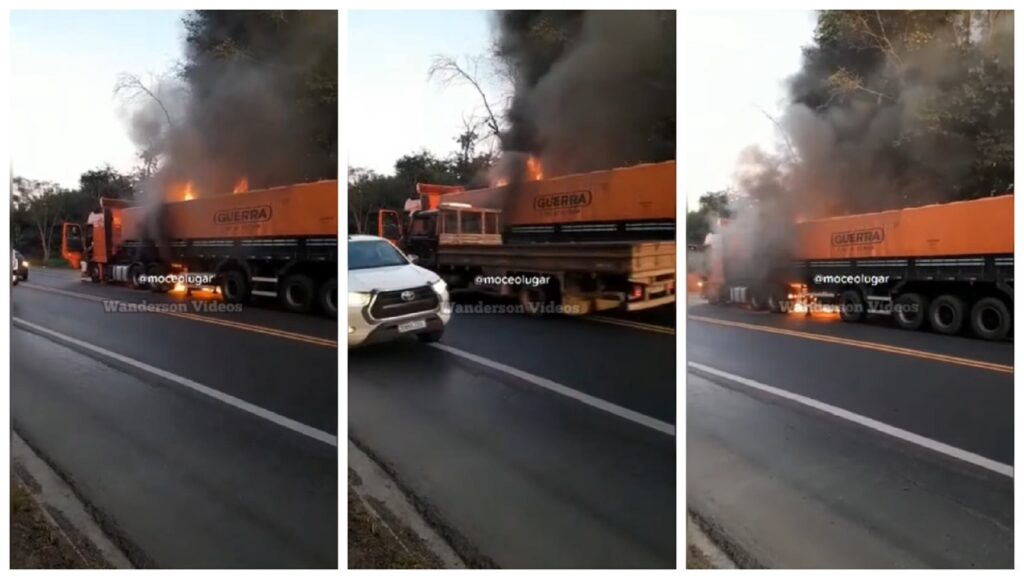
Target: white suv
x,y
389,296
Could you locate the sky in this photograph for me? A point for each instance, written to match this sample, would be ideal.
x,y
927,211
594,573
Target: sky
x,y
64,67
394,109
736,66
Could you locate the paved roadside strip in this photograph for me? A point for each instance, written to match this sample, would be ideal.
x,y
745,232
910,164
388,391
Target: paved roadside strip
x,y
50,526
897,350
386,531
864,421
701,550
170,377
158,309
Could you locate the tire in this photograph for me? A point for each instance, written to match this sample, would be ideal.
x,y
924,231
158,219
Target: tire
x,y
24,276
134,271
156,269
234,287
991,319
776,301
851,307
297,293
910,311
758,302
327,298
430,337
536,300
946,314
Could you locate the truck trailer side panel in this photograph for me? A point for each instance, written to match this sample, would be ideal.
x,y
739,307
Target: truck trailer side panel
x,y
977,227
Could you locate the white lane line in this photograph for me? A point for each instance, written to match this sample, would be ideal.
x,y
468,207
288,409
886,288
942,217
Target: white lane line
x,y
228,399
904,435
631,415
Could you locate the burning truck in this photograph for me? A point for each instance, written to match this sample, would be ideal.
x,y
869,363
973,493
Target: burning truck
x,y
576,243
944,266
279,243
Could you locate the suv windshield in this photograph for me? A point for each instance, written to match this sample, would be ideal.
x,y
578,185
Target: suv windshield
x,y
367,254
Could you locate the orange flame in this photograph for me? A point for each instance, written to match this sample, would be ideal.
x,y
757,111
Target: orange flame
x,y
501,182
181,191
534,171
242,186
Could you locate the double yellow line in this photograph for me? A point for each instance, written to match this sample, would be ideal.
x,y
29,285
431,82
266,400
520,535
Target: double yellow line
x,y
635,325
203,319
860,344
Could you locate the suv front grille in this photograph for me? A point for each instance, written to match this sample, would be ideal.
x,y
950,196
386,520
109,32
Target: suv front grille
x,y
391,304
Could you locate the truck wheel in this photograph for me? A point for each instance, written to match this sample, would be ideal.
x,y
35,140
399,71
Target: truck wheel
x,y
946,314
155,269
234,287
430,337
758,302
910,311
297,293
328,298
135,271
851,306
990,319
537,299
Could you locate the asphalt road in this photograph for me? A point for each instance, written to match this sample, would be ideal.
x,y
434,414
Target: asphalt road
x,y
880,449
201,441
531,442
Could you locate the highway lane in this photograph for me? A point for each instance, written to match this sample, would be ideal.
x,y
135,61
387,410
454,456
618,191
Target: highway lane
x,y
181,478
518,475
794,486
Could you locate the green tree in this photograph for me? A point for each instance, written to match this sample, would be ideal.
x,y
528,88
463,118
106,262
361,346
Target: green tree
x,y
712,205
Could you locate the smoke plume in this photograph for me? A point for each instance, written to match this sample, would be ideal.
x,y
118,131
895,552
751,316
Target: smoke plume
x,y
255,98
593,89
888,110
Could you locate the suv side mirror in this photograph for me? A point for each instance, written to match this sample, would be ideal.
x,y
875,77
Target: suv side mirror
x,y
413,258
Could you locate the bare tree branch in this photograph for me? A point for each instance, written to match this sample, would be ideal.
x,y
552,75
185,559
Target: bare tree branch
x,y
448,72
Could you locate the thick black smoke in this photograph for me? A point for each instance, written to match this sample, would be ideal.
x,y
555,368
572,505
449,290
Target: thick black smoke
x,y
880,118
888,110
593,89
255,98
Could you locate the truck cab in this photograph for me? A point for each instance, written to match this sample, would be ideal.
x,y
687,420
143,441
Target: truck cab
x,y
448,224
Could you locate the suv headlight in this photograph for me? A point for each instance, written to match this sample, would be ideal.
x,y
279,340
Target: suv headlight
x,y
358,299
439,287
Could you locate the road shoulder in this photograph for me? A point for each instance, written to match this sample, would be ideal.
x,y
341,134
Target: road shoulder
x,y
385,529
50,526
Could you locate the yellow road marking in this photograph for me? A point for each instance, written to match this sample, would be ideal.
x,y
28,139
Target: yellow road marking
x,y
635,325
204,319
861,344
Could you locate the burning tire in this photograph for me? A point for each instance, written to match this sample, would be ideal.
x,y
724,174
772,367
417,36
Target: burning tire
x,y
851,306
910,311
990,319
946,314
297,293
234,287
327,297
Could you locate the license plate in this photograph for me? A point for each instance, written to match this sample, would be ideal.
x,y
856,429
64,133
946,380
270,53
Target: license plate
x,y
410,326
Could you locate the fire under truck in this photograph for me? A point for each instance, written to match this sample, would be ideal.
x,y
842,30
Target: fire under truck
x,y
279,243
575,244
945,267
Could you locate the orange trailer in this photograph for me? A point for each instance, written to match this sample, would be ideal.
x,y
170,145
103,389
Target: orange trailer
x,y
280,242
978,227
945,267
